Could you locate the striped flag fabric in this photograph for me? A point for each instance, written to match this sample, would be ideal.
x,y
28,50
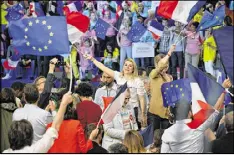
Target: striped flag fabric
x,y
182,11
76,6
77,25
36,9
114,106
156,29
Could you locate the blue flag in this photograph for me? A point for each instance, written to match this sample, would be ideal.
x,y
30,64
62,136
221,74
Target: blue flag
x,y
224,41
207,16
136,32
217,19
101,28
210,89
59,7
175,91
40,36
148,135
14,13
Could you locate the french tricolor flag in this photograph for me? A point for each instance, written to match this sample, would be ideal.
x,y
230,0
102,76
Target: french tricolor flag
x,y
113,108
76,6
156,29
77,25
181,11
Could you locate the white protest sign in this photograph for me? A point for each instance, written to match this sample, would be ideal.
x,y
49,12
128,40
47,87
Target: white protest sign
x,y
142,50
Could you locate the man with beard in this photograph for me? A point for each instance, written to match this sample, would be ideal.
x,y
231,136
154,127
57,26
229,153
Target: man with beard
x,y
108,89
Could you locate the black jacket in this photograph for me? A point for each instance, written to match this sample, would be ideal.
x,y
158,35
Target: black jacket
x,y
97,149
224,144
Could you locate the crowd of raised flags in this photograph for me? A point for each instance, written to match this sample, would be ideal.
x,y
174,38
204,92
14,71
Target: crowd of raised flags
x,y
66,23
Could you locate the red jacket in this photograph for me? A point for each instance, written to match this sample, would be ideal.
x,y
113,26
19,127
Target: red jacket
x,y
71,138
88,112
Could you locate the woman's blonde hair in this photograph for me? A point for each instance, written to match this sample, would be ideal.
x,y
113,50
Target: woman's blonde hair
x,y
134,142
135,70
157,58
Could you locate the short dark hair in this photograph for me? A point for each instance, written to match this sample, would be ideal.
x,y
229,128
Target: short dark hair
x,y
31,93
18,86
90,127
181,110
84,89
229,121
20,134
228,20
7,95
195,24
118,148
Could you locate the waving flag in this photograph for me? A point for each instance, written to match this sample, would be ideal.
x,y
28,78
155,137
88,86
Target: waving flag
x,y
156,28
101,28
225,47
148,135
59,7
12,62
211,20
77,25
40,36
173,92
14,13
182,11
136,32
200,107
36,9
76,6
114,106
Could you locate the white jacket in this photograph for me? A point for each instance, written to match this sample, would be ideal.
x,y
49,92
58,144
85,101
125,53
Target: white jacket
x,y
114,131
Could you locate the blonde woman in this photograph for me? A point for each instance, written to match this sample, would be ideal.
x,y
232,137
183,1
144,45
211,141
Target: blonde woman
x,y
134,142
158,114
129,74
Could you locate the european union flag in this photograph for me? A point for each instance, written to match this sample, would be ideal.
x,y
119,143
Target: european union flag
x,y
207,16
217,19
101,28
148,135
210,89
14,13
40,36
177,90
224,40
136,32
60,7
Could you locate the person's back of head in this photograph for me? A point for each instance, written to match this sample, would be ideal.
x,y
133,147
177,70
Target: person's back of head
x,y
18,88
20,134
84,89
31,94
134,142
117,148
7,95
229,122
92,126
182,110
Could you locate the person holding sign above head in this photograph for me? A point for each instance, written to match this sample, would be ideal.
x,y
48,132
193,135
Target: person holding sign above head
x,y
129,74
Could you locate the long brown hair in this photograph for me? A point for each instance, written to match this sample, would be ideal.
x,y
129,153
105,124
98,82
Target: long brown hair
x,y
157,58
134,142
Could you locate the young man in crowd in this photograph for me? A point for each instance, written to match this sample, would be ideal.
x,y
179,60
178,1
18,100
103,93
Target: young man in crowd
x,y
108,90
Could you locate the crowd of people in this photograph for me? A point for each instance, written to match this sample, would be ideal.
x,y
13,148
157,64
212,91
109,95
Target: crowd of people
x,y
39,118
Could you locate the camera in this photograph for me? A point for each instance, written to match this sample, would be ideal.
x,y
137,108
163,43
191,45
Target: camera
x,y
59,63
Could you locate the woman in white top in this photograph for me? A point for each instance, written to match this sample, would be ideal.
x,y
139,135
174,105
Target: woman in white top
x,y
123,121
129,74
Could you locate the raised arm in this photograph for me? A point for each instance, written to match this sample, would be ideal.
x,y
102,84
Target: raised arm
x,y
99,65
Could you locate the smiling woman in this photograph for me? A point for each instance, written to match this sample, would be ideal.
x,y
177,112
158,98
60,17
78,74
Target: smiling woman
x,y
129,74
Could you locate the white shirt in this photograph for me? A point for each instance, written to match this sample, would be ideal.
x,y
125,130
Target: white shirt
x,y
38,117
41,146
179,138
104,92
136,87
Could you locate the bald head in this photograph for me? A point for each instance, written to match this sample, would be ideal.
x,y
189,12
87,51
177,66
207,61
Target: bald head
x,y
229,121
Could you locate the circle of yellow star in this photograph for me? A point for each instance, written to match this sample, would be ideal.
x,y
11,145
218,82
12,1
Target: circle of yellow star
x,y
28,43
37,21
49,27
43,22
39,49
30,23
34,48
26,29
45,47
51,34
25,37
49,42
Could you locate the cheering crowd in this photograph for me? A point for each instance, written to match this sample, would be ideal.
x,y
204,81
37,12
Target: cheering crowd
x,y
38,117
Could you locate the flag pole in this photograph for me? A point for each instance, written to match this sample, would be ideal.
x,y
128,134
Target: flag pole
x,y
70,86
